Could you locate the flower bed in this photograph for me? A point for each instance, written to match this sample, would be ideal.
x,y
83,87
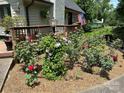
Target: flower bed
x,y
67,59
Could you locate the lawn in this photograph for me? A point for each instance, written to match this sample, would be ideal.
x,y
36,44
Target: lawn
x,y
100,31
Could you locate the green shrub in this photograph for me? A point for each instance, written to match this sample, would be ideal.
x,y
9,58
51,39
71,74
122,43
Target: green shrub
x,y
75,39
106,63
117,43
9,22
53,65
97,55
26,54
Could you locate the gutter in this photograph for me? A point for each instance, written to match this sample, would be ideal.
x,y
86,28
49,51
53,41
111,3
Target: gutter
x,y
27,12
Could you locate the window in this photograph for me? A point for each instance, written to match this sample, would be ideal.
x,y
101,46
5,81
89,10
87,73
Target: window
x,y
69,18
4,11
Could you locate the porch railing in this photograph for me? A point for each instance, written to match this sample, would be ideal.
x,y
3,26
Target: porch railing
x,y
31,32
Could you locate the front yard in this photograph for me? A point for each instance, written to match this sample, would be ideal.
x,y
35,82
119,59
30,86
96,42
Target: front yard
x,y
56,64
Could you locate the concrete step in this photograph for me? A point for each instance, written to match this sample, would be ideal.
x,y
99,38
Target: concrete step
x,y
5,64
6,54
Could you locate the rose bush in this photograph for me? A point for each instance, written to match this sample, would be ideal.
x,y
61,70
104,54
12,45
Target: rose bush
x,y
54,49
26,54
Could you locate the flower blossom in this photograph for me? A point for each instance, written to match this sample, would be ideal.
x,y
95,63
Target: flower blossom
x,y
57,44
31,67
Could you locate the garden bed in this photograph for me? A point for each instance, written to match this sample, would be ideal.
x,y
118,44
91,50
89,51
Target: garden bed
x,y
75,81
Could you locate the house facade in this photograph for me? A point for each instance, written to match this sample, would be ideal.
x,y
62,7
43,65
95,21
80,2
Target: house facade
x,y
41,12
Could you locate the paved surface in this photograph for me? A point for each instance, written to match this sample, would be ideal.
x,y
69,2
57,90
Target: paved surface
x,y
5,64
114,86
2,47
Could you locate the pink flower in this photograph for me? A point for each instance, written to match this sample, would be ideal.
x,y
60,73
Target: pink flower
x,y
31,67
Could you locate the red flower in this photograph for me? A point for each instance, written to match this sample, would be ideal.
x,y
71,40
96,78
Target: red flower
x,y
115,58
30,38
31,67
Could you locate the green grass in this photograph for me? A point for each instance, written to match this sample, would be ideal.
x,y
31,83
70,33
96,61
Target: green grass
x,y
99,31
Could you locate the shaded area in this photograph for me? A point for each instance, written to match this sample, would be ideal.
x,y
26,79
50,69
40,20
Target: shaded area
x,y
119,33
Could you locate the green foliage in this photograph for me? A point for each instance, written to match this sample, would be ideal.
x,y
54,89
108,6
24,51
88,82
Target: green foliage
x,y
95,55
88,6
120,10
31,75
106,63
9,22
119,33
96,9
117,43
74,47
53,65
99,32
26,54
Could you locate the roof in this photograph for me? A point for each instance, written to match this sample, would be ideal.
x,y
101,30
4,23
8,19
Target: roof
x,y
73,6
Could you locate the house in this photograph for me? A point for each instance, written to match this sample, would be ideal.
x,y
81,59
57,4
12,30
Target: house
x,y
40,12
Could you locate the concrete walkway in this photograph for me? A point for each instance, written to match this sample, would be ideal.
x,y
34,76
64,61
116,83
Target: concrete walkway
x,y
5,64
2,47
113,86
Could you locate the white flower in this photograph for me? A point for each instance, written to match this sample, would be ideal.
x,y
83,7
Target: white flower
x,y
69,41
50,54
57,45
65,39
47,51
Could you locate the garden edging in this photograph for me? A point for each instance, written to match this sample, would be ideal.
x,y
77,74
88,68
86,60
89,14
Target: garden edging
x,y
112,86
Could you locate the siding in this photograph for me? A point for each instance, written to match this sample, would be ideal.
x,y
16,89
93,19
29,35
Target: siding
x,y
34,15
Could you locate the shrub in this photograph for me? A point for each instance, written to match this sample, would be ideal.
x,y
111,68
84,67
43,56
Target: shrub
x,y
106,63
53,65
9,22
97,55
74,46
117,43
25,53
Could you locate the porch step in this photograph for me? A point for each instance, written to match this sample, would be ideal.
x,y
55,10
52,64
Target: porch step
x,y
6,54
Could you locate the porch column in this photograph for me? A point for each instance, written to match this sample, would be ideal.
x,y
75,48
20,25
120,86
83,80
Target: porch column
x,y
59,11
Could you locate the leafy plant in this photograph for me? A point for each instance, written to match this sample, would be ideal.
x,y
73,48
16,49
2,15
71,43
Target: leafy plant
x,y
9,22
117,44
53,65
106,63
26,54
31,75
97,55
75,39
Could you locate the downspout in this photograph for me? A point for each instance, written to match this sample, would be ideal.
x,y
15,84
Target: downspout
x,y
27,12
